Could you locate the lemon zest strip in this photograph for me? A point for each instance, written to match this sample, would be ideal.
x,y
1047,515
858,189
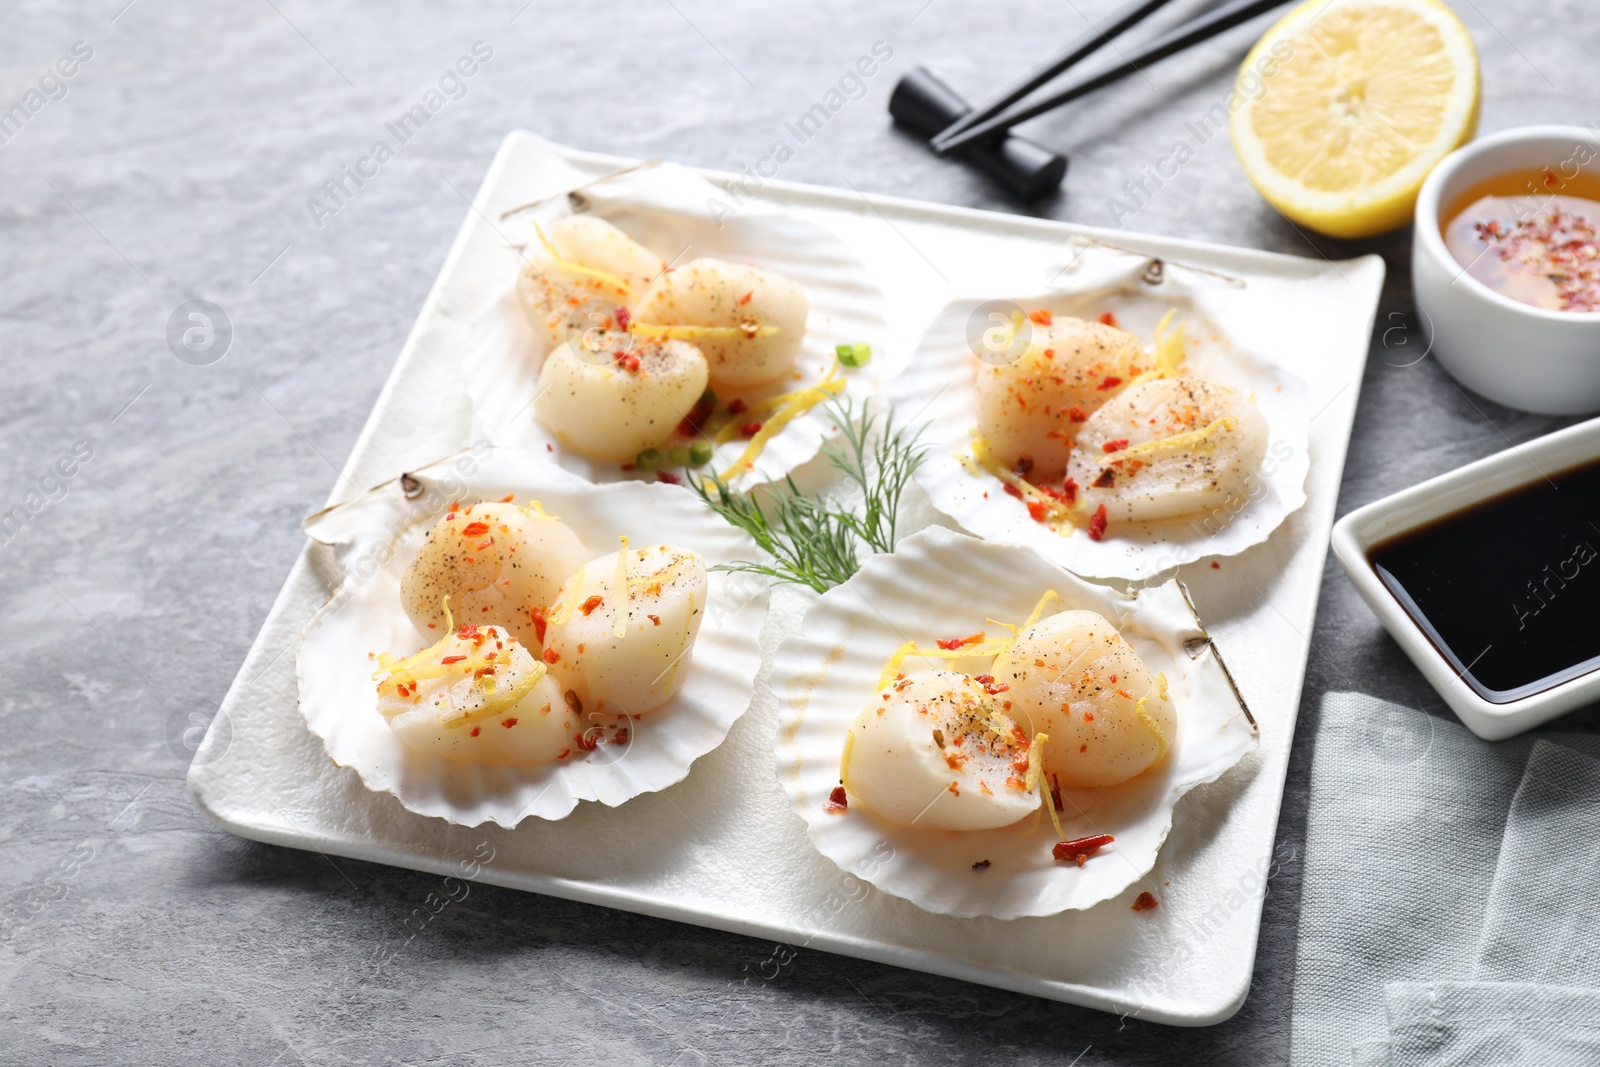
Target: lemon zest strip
x,y
569,602
505,700
1171,348
619,590
1188,439
802,401
579,268
686,332
533,507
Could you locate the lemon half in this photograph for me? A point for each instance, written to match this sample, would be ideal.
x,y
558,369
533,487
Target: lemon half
x,y
1346,105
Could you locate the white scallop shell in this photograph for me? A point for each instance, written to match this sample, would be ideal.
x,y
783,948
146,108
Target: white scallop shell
x,y
937,388
938,583
370,540
680,216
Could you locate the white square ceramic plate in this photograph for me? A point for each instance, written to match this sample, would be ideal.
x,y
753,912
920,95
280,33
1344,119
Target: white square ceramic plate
x,y
724,849
1411,508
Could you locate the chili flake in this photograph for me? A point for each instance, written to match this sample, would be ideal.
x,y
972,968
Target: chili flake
x,y
1080,849
838,801
1145,902
1097,524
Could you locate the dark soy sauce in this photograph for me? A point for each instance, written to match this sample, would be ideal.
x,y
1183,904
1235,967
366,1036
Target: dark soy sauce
x,y
1508,590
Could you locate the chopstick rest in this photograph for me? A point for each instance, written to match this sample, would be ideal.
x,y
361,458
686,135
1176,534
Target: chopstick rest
x,y
925,105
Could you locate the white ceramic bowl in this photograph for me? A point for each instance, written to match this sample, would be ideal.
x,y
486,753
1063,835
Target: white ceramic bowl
x,y
1356,533
1524,356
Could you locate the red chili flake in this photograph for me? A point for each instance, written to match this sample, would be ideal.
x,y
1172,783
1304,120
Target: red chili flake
x,y
838,801
750,429
476,730
952,643
668,477
1081,848
1037,511
1111,382
1041,316
981,865
540,623
483,672
690,426
1107,318
565,753
1055,792
1097,524
1215,565
475,529
1069,489
466,633
507,498
552,656
655,619
627,361
623,318
590,739
745,299
628,467
592,603
1116,446
1145,902
452,659
1107,479
508,723
620,737
1077,414
737,406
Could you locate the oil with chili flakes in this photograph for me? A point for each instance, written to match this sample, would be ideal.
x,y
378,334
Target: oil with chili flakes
x,y
1505,588
1531,235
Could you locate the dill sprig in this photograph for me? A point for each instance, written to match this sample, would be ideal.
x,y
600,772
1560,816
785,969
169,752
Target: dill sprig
x,y
817,541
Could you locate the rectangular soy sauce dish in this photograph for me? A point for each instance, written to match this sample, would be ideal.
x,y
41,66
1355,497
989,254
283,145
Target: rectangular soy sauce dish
x,y
1449,535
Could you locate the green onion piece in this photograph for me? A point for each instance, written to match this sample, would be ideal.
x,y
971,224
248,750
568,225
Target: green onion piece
x,y
700,452
678,456
857,355
648,460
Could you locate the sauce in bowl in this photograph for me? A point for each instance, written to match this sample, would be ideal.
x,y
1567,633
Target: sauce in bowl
x,y
1533,236
1506,589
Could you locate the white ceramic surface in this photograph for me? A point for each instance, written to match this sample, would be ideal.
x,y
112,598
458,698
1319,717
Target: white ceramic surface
x,y
1358,531
723,848
1527,357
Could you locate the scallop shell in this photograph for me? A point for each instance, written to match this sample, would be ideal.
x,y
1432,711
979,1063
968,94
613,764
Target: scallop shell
x,y
368,543
680,216
937,389
937,583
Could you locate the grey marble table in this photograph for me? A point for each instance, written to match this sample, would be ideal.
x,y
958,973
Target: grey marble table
x,y
179,160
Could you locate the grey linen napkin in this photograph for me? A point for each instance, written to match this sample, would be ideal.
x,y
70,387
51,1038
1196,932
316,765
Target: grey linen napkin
x,y
1457,1024
1543,922
1407,812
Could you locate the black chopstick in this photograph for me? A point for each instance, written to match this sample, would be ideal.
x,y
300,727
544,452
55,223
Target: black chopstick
x,y
1200,29
1097,38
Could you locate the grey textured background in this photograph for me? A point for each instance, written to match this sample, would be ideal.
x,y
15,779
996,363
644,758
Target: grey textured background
x,y
178,166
